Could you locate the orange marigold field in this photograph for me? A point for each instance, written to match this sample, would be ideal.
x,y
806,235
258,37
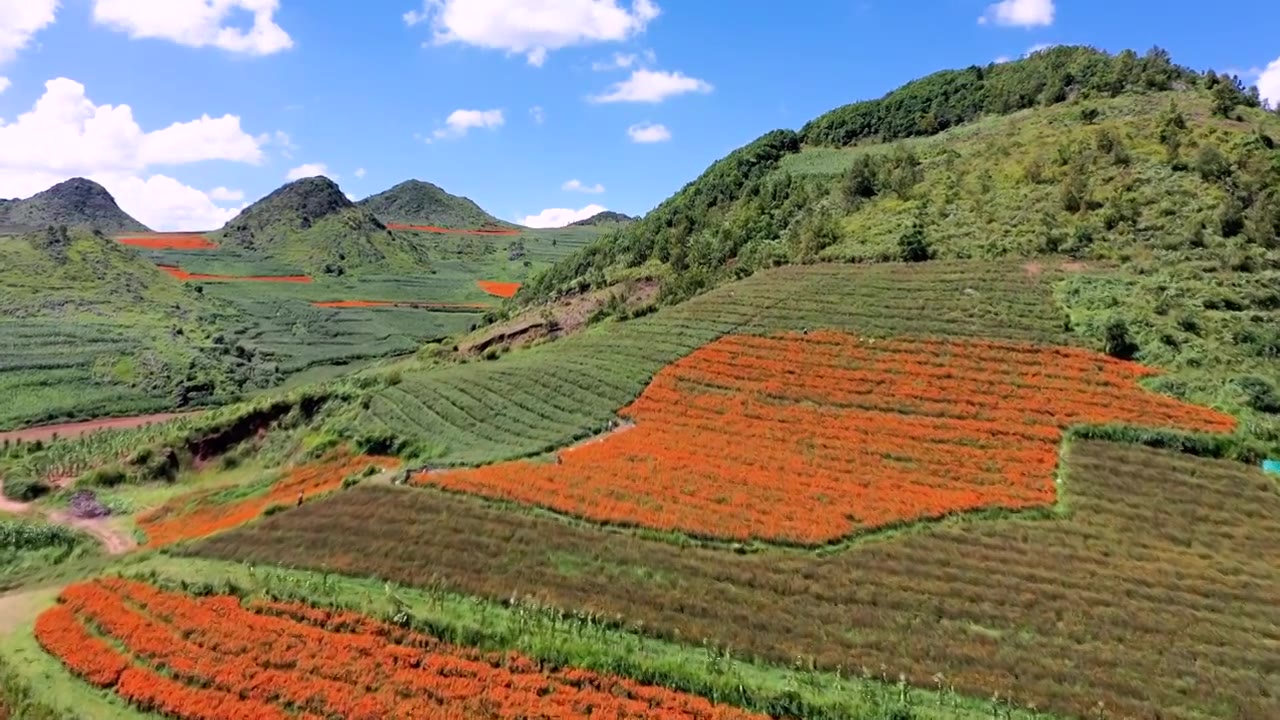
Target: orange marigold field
x,y
170,241
186,518
809,438
499,289
184,276
225,660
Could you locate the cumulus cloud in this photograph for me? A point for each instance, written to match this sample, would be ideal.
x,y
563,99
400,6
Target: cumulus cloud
x,y
66,135
1019,13
577,186
4,83
537,114
460,121
226,194
1269,83
648,133
197,23
20,20
359,172
559,217
532,28
652,86
307,170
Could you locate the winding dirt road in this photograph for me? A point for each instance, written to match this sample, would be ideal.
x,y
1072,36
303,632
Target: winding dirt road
x,y
76,429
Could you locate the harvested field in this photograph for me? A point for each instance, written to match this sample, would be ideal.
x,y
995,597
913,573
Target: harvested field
x,y
499,289
399,303
183,656
806,439
185,276
1155,596
170,241
197,515
77,429
451,231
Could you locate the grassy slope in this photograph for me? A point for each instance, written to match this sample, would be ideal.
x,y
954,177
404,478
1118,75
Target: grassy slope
x,y
415,202
74,202
93,329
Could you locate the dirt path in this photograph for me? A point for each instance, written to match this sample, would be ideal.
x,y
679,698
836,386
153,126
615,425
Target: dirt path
x,y
116,540
623,426
19,607
76,429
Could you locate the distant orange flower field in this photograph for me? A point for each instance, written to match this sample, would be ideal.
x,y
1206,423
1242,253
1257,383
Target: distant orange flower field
x,y
809,438
500,289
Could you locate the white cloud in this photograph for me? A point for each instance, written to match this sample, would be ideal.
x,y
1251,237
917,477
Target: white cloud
x,y
577,186
460,121
197,23
66,135
281,139
1002,59
4,83
20,20
532,28
1269,83
226,195
359,172
652,87
307,170
648,133
622,61
1037,48
1019,13
538,115
559,217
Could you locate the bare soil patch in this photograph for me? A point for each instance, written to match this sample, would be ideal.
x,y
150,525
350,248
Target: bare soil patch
x,y
115,539
556,319
76,429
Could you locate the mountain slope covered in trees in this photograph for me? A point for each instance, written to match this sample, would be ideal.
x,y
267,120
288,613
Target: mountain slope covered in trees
x,y
73,202
415,202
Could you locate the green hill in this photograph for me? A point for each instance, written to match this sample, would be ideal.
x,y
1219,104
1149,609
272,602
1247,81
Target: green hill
x,y
607,217
92,329
310,223
1160,181
415,202
74,202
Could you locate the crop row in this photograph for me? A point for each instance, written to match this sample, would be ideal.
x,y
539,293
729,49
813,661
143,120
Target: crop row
x,y
1155,595
225,660
603,371
808,438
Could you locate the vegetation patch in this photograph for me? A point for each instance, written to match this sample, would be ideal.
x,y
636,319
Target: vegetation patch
x,y
186,518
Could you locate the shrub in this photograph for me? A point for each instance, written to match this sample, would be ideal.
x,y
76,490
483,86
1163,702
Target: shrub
x,y
1259,394
25,489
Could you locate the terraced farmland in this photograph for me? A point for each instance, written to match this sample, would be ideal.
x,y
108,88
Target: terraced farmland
x,y
540,399
1152,595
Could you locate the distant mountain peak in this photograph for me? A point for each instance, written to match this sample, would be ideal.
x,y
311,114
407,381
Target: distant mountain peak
x,y
296,205
600,218
418,202
74,202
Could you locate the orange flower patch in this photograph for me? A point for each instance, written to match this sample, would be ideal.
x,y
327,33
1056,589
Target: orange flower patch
x,y
809,438
185,276
452,231
170,241
188,518
500,289
226,660
399,303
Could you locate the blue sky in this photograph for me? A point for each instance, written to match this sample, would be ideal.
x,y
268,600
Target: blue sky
x,y
366,90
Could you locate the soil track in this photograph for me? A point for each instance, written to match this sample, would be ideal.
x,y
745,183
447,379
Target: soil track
x,y
449,231
400,303
76,429
185,276
500,289
115,540
170,241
